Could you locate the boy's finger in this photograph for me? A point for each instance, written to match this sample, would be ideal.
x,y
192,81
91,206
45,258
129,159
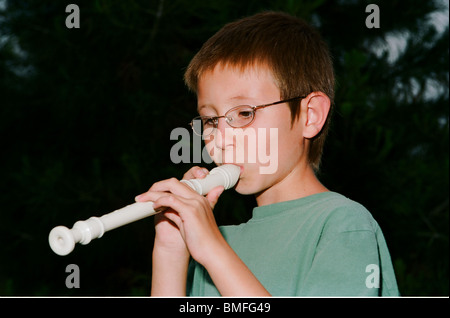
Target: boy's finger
x,y
196,173
149,196
166,186
213,195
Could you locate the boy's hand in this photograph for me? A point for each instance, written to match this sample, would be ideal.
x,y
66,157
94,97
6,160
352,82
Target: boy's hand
x,y
188,222
170,253
188,227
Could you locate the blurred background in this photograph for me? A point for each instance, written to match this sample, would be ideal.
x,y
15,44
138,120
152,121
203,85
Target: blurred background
x,y
86,116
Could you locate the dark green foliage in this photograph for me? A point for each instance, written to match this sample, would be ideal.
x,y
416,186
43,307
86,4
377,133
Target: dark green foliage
x,y
86,115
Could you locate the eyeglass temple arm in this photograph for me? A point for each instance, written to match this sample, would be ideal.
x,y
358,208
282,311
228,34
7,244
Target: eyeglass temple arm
x,y
280,102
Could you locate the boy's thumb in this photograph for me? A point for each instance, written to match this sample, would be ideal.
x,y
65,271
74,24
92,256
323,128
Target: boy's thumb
x,y
213,195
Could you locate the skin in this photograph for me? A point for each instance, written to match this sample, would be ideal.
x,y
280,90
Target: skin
x,y
188,227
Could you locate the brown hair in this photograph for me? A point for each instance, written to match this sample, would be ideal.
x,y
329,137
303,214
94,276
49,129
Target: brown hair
x,y
295,53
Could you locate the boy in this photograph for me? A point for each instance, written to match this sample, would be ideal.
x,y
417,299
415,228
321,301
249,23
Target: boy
x,y
303,240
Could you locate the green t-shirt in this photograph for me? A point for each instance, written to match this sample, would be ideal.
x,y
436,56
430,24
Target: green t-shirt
x,y
320,245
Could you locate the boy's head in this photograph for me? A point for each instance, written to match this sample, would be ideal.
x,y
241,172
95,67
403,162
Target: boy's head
x,y
294,53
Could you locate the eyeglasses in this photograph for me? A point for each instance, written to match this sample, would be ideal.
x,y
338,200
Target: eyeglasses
x,y
237,117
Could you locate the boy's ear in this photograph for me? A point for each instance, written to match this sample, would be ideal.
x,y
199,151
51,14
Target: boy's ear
x,y
318,107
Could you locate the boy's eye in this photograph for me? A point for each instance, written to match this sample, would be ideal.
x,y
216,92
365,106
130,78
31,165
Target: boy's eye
x,y
208,121
245,114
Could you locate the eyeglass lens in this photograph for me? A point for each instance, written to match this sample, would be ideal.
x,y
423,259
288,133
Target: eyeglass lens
x,y
236,117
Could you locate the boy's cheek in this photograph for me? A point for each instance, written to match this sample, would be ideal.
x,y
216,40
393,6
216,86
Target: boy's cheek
x,y
268,150
252,146
216,154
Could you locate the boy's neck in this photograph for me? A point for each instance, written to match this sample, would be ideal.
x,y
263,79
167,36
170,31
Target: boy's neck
x,y
300,182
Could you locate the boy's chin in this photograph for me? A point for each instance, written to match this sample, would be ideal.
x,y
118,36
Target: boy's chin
x,y
247,188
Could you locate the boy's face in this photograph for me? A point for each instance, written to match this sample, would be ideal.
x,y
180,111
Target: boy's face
x,y
267,150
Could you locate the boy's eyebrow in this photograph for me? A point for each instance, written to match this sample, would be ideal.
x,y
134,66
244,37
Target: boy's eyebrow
x,y
199,108
239,98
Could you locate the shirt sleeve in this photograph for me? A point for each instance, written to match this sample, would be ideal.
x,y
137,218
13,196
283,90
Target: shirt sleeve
x,y
346,263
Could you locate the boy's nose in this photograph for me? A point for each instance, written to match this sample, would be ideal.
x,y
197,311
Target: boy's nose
x,y
223,137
